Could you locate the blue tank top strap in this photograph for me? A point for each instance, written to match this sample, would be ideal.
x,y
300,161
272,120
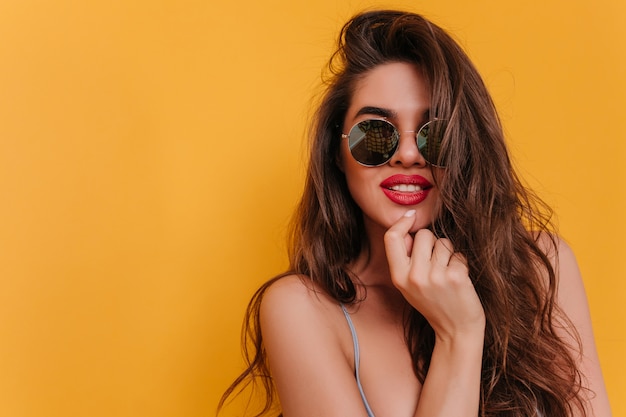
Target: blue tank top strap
x,y
355,342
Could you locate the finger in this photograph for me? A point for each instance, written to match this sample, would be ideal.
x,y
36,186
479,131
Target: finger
x,y
423,244
396,244
408,242
442,252
457,259
458,263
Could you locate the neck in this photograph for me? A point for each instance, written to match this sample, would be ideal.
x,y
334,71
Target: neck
x,y
371,266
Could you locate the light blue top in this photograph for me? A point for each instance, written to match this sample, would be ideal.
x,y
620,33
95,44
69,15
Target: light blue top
x,y
355,342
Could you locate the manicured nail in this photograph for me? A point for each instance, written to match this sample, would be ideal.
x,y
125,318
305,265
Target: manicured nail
x,y
409,213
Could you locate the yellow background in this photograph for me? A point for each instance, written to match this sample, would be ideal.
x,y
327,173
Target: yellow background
x,y
151,154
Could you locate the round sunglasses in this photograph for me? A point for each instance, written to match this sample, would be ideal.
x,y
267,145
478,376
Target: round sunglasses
x,y
373,142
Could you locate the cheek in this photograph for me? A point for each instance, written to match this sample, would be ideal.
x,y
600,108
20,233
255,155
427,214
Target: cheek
x,y
356,184
361,184
344,159
350,168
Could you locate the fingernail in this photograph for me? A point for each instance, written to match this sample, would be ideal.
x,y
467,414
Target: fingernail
x,y
409,213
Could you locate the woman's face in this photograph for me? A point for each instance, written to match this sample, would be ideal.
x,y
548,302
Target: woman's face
x,y
395,92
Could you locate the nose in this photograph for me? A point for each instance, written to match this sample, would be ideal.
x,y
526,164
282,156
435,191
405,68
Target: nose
x,y
407,154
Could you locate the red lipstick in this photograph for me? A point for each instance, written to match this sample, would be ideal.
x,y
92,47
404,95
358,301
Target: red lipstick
x,y
406,190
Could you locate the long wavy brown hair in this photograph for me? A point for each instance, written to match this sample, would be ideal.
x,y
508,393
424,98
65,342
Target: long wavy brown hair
x,y
486,211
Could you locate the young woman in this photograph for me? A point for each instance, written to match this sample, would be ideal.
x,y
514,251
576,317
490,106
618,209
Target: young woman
x,y
425,279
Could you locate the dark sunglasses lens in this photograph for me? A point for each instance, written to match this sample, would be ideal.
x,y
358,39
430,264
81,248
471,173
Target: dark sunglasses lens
x,y
373,142
429,140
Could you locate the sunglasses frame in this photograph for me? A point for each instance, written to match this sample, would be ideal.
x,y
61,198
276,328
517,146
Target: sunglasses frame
x,y
399,132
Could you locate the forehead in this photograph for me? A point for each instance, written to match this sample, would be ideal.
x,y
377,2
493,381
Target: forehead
x,y
398,87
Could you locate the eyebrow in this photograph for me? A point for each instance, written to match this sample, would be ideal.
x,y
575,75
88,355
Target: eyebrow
x,y
385,113
377,111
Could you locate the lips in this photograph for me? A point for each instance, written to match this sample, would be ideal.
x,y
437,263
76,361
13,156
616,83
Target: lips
x,y
406,190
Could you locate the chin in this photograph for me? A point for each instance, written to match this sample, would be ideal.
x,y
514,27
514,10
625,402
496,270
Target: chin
x,y
419,226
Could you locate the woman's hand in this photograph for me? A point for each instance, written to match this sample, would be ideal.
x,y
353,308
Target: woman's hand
x,y
435,280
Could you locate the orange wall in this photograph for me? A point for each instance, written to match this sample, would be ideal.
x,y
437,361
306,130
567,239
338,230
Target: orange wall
x,y
150,156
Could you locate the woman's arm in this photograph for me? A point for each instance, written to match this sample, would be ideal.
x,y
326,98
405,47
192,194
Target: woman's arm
x,y
452,386
435,281
572,300
313,373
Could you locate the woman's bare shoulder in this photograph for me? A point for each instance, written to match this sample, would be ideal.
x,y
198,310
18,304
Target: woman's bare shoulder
x,y
559,252
562,258
297,293
295,307
572,301
308,346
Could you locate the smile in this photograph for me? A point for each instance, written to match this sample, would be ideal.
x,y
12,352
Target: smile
x,y
406,190
410,188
